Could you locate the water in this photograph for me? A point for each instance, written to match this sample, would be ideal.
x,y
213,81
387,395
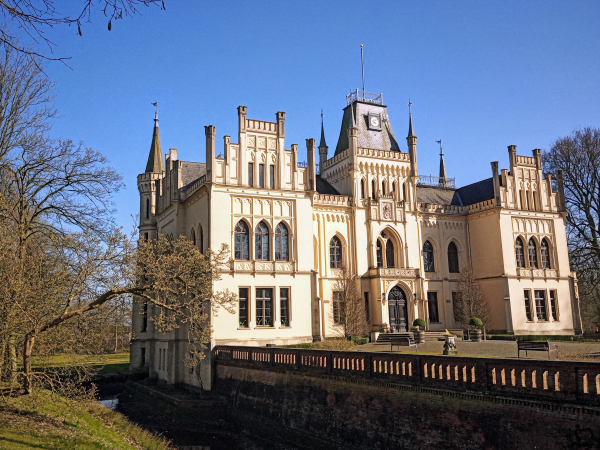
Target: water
x,y
111,402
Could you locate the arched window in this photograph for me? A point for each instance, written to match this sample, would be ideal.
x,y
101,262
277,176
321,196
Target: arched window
x,y
362,188
147,208
201,240
261,242
281,242
545,251
404,191
394,186
241,241
389,254
335,253
428,257
532,252
193,236
383,188
379,254
373,189
519,253
452,258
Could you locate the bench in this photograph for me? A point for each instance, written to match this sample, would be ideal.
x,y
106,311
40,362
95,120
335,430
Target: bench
x,y
533,346
402,342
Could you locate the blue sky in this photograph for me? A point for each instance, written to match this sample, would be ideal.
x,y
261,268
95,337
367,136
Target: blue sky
x,y
481,76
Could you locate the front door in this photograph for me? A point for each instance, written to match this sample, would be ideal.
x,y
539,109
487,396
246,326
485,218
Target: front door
x,y
398,313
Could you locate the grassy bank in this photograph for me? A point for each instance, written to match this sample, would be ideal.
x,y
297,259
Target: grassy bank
x,y
44,420
109,363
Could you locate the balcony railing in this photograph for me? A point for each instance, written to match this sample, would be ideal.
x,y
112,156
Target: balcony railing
x,y
429,180
363,96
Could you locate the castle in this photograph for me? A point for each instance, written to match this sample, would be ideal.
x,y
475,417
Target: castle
x,y
366,208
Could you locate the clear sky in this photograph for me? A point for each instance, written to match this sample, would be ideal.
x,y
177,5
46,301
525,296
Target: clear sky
x,y
481,75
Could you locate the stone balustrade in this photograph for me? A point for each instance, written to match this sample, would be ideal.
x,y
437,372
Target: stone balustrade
x,y
574,382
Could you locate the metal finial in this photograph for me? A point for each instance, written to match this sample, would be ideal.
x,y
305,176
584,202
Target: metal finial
x,y
155,104
409,105
362,63
441,151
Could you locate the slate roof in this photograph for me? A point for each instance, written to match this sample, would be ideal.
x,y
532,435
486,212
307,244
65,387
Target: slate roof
x,y
155,162
378,140
464,196
323,187
191,172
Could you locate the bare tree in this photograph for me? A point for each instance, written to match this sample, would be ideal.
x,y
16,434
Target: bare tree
x,y
577,159
470,302
36,17
349,308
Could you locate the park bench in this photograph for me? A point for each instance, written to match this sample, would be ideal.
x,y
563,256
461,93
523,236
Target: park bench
x,y
533,346
402,342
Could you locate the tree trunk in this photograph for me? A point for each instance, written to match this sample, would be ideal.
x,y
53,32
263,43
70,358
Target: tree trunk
x,y
11,359
27,349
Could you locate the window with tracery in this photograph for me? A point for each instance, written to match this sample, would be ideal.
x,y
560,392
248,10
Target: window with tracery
x,y
281,243
335,253
532,253
379,254
428,262
519,254
452,258
261,242
241,241
545,252
389,254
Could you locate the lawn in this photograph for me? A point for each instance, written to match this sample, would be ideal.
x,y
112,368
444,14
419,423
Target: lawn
x,y
109,363
46,420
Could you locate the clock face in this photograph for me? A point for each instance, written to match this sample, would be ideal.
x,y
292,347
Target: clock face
x,y
374,121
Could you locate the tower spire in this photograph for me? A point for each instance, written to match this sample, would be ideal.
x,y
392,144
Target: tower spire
x,y
410,125
155,162
443,175
322,143
362,63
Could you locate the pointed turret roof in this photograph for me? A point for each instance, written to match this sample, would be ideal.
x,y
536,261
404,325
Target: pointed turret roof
x,y
410,126
443,175
155,158
322,143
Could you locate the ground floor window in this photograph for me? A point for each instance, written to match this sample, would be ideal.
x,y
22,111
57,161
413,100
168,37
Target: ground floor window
x,y
553,305
143,359
337,308
284,306
264,307
243,306
540,305
527,306
432,304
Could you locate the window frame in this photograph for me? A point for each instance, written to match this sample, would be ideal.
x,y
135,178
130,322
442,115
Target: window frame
x,y
261,308
279,240
432,299
246,303
272,176
541,309
387,254
527,299
426,266
261,176
519,253
545,254
532,249
453,263
251,174
553,300
379,253
287,315
237,233
262,244
373,189
336,259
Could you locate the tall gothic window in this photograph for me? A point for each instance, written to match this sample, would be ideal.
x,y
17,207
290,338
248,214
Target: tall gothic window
x,y
241,241
379,254
362,188
261,242
373,189
281,243
261,175
272,176
532,253
394,189
428,262
201,240
452,258
335,253
193,237
545,251
404,191
519,253
389,254
383,188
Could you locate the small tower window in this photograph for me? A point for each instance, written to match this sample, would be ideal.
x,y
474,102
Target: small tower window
x,y
250,174
373,190
147,208
532,250
404,191
394,189
362,188
272,176
261,175
383,188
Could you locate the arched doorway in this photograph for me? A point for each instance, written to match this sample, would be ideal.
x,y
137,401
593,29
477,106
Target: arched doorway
x,y
398,310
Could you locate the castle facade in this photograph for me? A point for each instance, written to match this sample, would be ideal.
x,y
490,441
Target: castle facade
x,y
293,226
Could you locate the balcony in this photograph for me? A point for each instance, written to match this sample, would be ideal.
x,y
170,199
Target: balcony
x,y
363,96
401,272
537,273
430,180
263,266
